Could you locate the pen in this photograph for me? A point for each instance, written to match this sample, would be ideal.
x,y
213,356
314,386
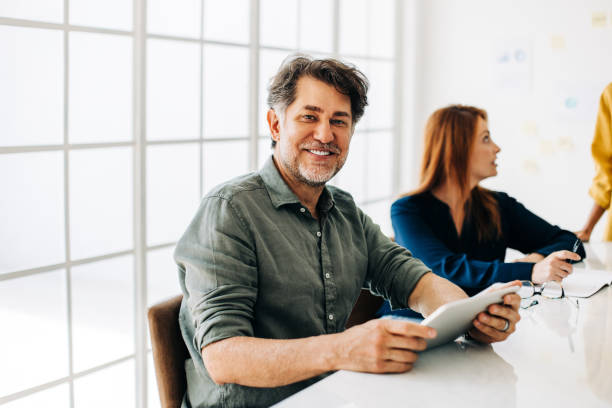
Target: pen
x,y
574,249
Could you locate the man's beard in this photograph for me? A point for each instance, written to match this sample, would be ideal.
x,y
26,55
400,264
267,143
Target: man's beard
x,y
313,176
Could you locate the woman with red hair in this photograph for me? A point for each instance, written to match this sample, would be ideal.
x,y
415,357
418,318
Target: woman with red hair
x,y
462,230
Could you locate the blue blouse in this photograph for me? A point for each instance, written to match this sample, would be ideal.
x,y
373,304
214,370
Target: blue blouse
x,y
424,225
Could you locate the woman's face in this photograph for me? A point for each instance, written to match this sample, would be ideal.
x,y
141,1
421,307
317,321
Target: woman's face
x,y
484,153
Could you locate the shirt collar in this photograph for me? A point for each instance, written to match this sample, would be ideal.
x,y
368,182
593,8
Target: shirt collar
x,y
280,193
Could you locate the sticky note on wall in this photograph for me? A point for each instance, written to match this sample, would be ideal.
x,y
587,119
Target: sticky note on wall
x,y
599,19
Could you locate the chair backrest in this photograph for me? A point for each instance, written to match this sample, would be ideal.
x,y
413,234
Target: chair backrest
x,y
169,351
365,308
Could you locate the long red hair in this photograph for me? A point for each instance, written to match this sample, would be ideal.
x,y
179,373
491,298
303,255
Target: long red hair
x,y
449,137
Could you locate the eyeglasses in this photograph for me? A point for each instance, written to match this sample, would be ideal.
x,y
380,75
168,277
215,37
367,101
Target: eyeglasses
x,y
550,290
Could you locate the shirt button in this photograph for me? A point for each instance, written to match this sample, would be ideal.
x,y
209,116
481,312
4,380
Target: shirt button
x,y
318,233
302,209
327,275
331,317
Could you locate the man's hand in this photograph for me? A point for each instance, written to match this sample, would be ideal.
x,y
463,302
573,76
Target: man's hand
x,y
500,320
382,346
554,267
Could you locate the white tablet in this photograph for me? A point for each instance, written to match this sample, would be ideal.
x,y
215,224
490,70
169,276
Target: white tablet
x,y
455,318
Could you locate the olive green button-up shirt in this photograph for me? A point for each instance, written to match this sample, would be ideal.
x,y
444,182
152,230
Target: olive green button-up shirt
x,y
255,262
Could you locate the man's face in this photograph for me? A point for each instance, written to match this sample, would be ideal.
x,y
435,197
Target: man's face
x,y
313,136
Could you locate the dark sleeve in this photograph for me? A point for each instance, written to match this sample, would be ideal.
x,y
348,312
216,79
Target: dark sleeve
x,y
392,270
529,233
412,232
218,259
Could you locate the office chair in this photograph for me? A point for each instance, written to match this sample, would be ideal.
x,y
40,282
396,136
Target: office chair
x,y
170,351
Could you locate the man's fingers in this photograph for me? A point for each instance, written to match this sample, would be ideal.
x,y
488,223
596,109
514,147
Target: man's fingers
x,y
401,356
404,328
406,343
392,367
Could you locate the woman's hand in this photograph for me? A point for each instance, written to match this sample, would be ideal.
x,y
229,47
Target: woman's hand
x,y
584,235
554,267
533,257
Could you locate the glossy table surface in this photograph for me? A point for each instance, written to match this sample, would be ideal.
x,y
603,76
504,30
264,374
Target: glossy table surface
x,y
560,356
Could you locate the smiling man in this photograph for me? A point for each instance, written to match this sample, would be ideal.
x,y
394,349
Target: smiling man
x,y
273,262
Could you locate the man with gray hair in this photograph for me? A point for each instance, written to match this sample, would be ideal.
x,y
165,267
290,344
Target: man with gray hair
x,y
273,262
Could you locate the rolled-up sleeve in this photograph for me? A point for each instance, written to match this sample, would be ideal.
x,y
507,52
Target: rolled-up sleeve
x,y
216,255
392,270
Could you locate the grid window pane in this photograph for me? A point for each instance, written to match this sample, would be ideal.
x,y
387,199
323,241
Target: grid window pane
x,y
380,165
173,96
100,81
381,28
352,177
162,275
153,394
316,25
34,331
227,20
278,23
269,64
32,208
111,387
56,397
31,86
380,98
354,28
51,11
176,18
173,190
226,91
115,14
264,151
224,161
380,212
101,200
102,312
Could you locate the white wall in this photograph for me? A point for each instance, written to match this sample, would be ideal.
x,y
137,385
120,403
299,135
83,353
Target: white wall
x,y
538,68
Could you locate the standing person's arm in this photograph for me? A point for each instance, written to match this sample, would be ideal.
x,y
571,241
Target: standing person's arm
x,y
601,149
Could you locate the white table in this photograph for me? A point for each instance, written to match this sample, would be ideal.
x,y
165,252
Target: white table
x,y
560,356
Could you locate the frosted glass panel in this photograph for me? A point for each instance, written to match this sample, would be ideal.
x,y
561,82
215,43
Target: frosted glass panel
x,y
380,165
32,208
352,177
226,91
102,312
381,28
173,190
111,387
278,23
380,213
102,13
354,27
177,18
100,104
101,200
227,20
34,331
56,397
31,86
380,96
316,33
270,62
263,151
223,161
43,10
173,96
162,275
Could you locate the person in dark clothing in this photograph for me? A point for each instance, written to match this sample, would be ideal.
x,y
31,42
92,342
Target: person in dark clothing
x,y
462,230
